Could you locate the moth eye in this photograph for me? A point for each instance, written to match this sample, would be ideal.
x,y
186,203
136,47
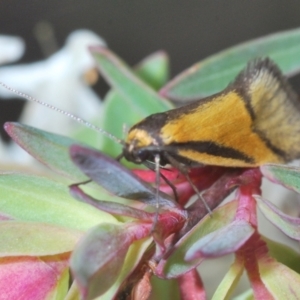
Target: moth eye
x,y
142,154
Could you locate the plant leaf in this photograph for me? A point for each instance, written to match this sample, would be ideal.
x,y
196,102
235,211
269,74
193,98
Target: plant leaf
x,y
127,84
247,295
115,178
214,73
283,254
133,257
154,70
49,148
287,176
38,199
37,278
176,264
35,239
73,292
282,282
111,207
220,242
229,281
92,266
287,224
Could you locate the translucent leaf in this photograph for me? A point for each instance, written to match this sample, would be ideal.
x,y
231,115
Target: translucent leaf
x,y
288,176
33,198
287,224
35,239
176,264
214,73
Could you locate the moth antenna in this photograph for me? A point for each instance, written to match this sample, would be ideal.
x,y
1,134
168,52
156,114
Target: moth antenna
x,y
125,129
69,115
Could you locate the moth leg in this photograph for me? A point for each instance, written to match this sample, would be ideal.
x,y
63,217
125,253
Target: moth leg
x,y
169,183
184,171
157,184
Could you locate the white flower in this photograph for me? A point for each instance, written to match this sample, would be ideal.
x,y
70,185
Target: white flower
x,y
59,81
11,48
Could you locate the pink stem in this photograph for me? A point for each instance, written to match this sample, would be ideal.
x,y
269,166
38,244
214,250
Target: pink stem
x,y
191,286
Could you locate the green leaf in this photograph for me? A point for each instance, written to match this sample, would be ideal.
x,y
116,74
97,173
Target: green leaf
x,y
230,281
49,148
62,286
133,89
165,289
154,70
73,292
281,282
287,224
288,176
223,241
130,92
247,295
53,151
35,239
214,73
133,257
38,199
176,263
283,254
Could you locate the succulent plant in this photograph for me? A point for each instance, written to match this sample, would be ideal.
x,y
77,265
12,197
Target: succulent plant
x,y
108,233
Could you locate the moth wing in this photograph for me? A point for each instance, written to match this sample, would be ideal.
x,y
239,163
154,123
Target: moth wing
x,y
274,106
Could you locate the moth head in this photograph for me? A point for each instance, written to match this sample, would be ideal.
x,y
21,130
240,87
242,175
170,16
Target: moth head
x,y
139,146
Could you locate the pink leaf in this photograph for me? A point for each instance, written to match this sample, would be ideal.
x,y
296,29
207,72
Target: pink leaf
x,y
32,277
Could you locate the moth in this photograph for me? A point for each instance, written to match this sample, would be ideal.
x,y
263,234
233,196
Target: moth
x,y
255,120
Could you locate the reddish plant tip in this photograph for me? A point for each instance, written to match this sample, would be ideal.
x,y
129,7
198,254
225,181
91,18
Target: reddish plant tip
x,y
250,177
8,127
